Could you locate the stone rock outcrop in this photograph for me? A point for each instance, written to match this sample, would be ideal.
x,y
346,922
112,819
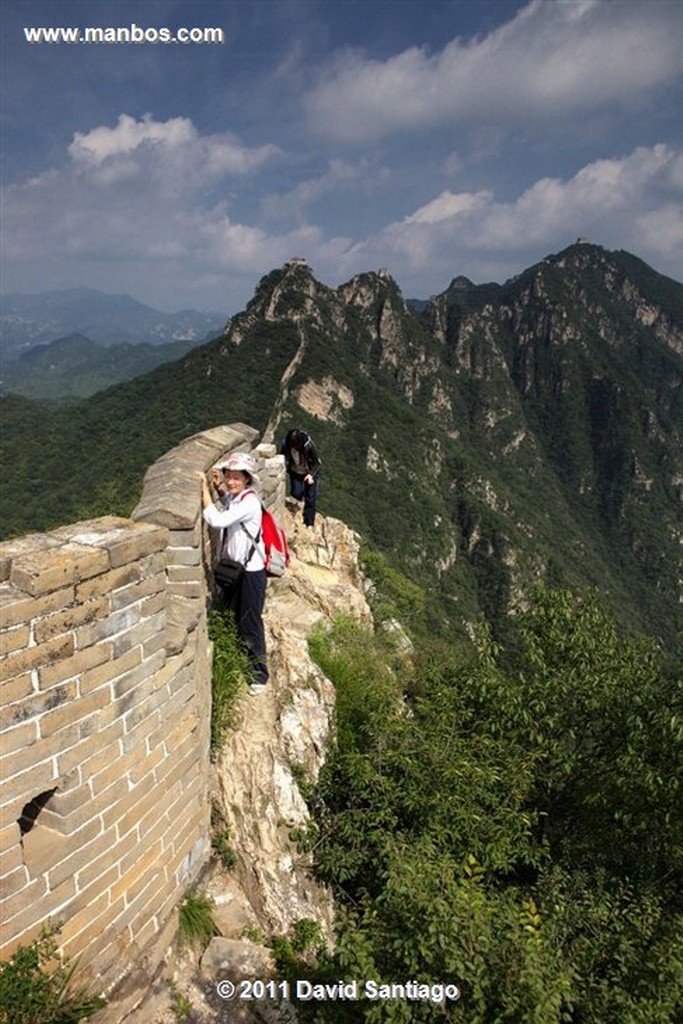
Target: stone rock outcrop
x,y
283,736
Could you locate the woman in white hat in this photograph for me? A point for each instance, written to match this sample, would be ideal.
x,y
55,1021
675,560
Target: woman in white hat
x,y
240,522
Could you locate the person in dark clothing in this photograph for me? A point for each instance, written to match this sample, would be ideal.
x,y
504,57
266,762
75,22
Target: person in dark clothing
x,y
303,467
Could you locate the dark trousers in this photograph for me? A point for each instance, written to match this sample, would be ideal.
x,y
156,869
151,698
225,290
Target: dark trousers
x,y
246,601
309,492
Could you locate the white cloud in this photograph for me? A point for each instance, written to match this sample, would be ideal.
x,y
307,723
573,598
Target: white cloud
x,y
448,205
129,211
634,202
172,151
551,59
93,148
660,232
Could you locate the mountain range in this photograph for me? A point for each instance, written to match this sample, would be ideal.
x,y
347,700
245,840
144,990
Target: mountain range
x,y
75,366
37,319
478,441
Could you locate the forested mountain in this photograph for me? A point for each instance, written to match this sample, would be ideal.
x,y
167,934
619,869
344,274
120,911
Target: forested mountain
x,y
500,434
75,366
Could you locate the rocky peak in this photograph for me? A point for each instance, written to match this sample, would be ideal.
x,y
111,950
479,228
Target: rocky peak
x,y
373,293
552,386
460,284
598,283
368,281
291,291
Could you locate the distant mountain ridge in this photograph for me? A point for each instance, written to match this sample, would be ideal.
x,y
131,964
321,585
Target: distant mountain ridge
x,y
27,320
505,433
75,366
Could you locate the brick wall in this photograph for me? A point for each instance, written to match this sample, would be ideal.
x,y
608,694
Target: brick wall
x,y
104,718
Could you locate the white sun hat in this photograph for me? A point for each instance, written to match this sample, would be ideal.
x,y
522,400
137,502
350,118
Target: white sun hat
x,y
240,461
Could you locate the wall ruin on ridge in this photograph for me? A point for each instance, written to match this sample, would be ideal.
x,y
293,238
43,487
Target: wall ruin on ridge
x,y
105,691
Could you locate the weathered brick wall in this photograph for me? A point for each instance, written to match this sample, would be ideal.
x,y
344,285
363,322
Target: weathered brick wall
x,y
105,711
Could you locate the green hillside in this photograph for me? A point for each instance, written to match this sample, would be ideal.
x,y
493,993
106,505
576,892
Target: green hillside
x,y
501,434
506,822
96,452
75,367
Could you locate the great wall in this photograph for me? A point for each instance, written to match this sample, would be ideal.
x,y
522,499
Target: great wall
x,y
105,684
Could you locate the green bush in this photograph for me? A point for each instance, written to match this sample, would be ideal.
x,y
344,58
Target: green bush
x,y
302,955
220,844
367,679
196,926
181,1007
394,595
307,936
510,823
36,986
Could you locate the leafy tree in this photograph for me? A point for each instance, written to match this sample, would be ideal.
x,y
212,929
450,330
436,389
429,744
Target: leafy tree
x,y
510,822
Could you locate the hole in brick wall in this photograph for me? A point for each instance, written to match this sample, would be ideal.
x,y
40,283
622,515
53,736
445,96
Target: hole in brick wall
x,y
30,812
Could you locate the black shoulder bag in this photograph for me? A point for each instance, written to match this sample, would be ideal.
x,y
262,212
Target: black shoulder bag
x,y
228,572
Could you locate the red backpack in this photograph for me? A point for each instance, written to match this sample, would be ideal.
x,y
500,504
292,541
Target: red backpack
x,y
276,556
275,542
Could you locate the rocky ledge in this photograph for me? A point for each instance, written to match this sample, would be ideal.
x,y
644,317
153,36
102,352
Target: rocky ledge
x,y
281,737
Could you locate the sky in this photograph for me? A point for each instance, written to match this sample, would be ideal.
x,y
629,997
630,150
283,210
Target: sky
x,y
431,138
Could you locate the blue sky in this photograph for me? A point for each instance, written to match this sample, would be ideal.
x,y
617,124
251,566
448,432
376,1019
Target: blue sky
x,y
429,137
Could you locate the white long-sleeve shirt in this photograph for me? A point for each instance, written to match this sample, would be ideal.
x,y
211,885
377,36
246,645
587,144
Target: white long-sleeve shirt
x,y
242,511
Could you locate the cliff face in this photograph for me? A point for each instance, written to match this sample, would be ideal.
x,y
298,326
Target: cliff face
x,y
504,432
282,737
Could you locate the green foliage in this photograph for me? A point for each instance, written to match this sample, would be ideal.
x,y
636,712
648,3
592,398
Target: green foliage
x,y
306,940
513,825
222,848
394,596
302,779
181,1007
302,955
75,367
36,987
307,936
230,670
196,926
369,691
603,715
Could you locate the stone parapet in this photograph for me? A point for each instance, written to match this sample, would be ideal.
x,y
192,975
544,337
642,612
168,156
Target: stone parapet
x,y
105,698
170,493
